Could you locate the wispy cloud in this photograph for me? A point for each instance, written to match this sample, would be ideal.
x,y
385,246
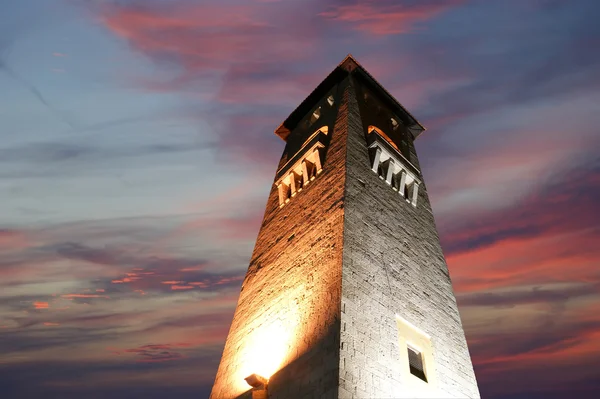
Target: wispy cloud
x,y
387,17
40,305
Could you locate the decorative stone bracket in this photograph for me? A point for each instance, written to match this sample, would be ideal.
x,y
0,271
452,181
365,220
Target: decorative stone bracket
x,y
392,167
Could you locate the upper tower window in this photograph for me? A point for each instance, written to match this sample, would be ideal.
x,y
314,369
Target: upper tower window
x,y
382,134
315,115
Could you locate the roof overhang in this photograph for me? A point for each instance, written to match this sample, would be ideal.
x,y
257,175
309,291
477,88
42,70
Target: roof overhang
x,y
349,66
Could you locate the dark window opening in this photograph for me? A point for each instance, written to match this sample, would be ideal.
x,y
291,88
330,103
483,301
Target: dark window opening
x,y
287,192
315,115
396,181
311,170
415,360
381,171
298,180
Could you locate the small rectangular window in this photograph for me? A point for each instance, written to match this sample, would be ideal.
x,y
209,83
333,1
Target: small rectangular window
x,y
415,360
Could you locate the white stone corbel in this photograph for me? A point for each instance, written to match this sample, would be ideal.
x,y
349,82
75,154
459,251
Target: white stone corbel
x,y
390,171
292,184
305,176
280,189
317,158
402,183
376,159
415,193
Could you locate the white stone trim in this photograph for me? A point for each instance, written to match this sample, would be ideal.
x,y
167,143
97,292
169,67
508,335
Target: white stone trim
x,y
397,170
300,171
376,160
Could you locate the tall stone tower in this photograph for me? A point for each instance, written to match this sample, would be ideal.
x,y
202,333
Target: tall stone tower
x,y
347,294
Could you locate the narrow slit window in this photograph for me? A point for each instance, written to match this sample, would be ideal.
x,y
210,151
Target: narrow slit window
x,y
415,360
311,170
396,181
315,115
287,189
299,181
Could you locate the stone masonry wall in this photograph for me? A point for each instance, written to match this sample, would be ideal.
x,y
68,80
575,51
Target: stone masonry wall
x,y
331,270
295,278
393,264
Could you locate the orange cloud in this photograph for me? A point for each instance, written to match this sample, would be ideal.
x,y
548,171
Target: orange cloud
x,y
181,287
49,324
125,280
229,280
41,305
192,269
84,296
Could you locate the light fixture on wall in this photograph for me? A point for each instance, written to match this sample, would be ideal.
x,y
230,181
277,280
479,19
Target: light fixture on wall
x,y
259,386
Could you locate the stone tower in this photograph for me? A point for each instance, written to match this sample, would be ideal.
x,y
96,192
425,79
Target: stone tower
x,y
347,294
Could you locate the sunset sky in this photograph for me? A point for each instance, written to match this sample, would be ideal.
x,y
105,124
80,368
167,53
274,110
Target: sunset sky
x,y
137,152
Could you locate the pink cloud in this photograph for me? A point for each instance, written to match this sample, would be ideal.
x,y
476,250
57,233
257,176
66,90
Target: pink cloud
x,y
379,18
547,258
13,240
206,38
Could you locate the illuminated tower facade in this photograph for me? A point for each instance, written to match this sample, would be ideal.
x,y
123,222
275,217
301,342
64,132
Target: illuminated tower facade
x,y
347,294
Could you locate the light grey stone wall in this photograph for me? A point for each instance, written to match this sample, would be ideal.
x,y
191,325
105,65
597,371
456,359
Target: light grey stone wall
x,y
393,265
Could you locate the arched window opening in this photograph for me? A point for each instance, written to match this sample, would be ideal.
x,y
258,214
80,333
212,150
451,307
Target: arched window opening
x,y
382,134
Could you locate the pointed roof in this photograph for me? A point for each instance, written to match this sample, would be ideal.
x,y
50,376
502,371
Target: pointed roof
x,y
348,66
